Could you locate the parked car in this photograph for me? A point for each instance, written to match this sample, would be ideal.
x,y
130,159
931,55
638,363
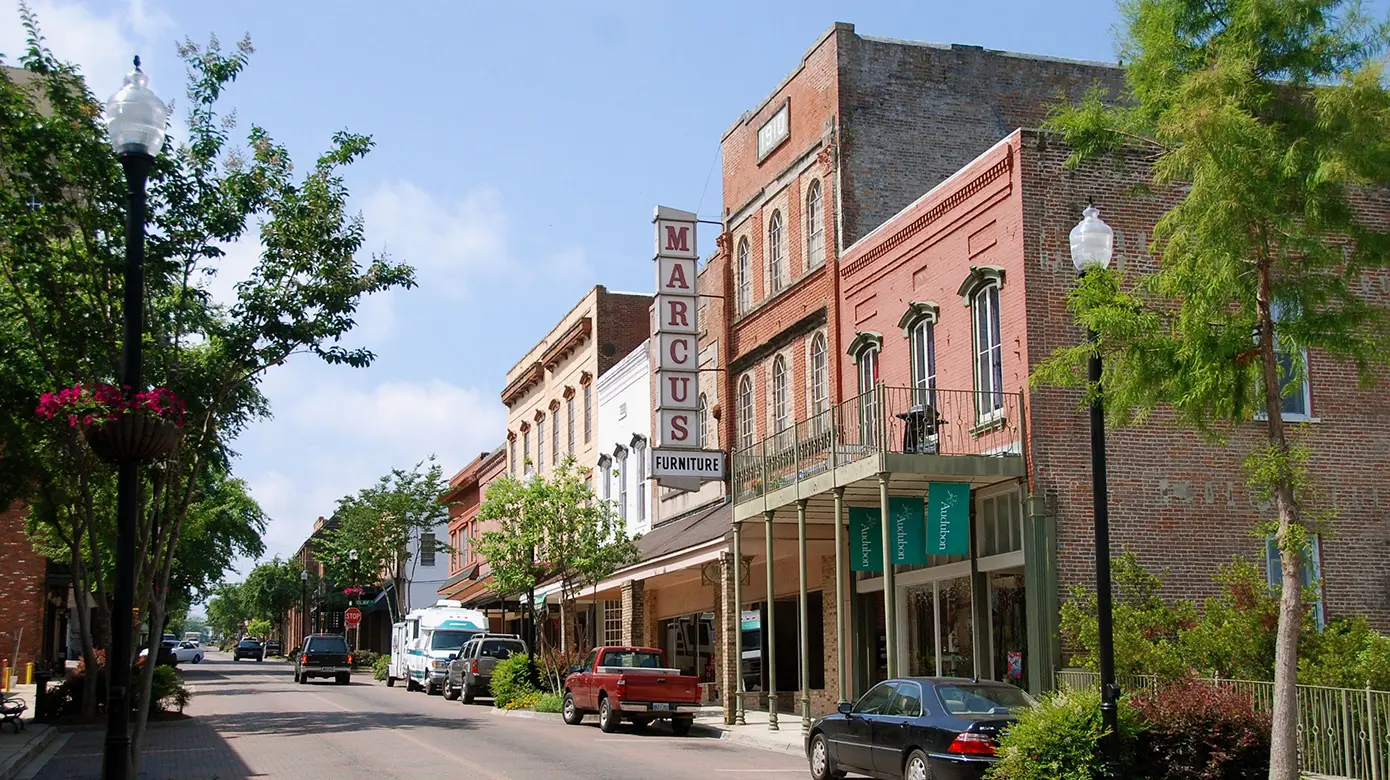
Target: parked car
x,y
272,648
249,648
324,655
189,652
471,672
918,727
632,683
168,653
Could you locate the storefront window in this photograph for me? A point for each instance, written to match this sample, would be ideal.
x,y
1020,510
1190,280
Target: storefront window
x,y
957,645
1008,626
689,644
921,630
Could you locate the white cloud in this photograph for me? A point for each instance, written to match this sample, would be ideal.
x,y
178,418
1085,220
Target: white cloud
x,y
101,43
451,243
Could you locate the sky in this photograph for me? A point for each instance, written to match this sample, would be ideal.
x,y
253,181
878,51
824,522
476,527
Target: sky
x,y
520,149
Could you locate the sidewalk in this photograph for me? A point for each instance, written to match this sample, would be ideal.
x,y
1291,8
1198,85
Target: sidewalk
x,y
787,739
17,750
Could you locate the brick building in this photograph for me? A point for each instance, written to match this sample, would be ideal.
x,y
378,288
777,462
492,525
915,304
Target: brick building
x,y
25,573
857,132
469,581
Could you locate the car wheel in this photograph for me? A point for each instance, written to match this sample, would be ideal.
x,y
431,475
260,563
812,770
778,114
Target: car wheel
x,y
573,715
260,658
450,692
303,679
236,658
468,695
681,726
822,766
607,716
197,659
916,767
390,681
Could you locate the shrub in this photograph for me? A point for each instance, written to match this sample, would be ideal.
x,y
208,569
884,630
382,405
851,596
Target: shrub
x,y
379,667
167,691
527,701
511,680
551,702
1198,731
554,666
1057,740
1348,654
365,659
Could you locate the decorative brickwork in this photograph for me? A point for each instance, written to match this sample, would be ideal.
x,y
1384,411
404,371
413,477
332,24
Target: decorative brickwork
x,y
634,613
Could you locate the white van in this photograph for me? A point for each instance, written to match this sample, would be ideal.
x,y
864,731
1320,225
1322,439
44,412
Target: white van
x,y
427,639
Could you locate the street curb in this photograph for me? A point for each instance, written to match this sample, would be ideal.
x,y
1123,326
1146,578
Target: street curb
x,y
531,714
16,763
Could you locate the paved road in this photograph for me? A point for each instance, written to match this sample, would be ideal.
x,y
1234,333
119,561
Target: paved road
x,y
251,720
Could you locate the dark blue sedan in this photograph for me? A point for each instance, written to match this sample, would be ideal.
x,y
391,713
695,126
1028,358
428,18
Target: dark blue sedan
x,y
942,728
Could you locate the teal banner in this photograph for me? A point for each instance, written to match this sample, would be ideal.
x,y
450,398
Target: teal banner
x,y
948,518
865,539
909,530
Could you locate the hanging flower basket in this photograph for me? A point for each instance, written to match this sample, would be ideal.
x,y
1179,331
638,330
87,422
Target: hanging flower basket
x,y
145,427
134,436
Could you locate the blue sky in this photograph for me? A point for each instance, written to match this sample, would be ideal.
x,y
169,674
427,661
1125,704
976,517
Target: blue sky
x,y
520,150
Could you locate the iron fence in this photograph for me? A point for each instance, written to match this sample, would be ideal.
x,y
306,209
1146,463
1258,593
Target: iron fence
x,y
1341,731
913,421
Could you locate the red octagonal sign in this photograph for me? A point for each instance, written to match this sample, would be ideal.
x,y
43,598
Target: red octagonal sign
x,y
352,616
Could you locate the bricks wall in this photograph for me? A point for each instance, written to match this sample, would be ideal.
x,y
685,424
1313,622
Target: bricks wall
x,y
912,114
1178,501
23,571
634,604
623,323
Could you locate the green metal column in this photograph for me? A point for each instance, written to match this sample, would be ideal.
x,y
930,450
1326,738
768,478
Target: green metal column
x,y
890,590
739,719
770,630
841,607
803,629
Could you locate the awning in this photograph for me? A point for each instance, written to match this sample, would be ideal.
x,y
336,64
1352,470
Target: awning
x,y
545,591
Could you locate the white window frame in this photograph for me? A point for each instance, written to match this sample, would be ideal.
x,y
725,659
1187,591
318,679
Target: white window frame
x,y
540,444
621,457
588,412
781,406
605,464
818,359
922,344
1312,573
569,410
525,447
815,225
555,437
745,276
1300,366
775,252
866,370
704,422
747,428
989,346
639,451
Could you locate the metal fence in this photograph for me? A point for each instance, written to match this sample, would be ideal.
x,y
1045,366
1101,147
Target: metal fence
x,y
1341,731
914,421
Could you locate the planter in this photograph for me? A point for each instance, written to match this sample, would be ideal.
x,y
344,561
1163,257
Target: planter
x,y
133,437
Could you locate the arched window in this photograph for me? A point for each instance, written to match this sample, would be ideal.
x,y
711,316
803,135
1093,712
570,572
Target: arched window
x,y
864,349
923,343
781,414
704,423
820,376
774,252
989,350
815,226
744,280
745,412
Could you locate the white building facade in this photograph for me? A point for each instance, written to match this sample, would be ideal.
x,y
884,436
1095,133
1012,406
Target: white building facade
x,y
427,567
624,439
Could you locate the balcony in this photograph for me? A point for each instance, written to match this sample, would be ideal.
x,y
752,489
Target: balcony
x,y
915,436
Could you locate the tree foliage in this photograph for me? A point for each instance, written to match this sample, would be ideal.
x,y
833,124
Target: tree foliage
x,y
1269,120
61,259
271,589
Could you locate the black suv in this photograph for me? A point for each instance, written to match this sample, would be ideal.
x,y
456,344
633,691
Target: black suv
x,y
324,655
249,648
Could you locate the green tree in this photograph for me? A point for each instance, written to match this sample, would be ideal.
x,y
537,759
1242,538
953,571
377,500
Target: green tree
x,y
382,523
552,528
61,255
227,610
1267,120
272,589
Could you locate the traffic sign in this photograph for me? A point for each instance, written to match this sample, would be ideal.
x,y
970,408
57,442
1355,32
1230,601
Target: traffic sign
x,y
352,616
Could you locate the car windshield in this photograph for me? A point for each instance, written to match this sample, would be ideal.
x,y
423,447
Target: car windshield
x,y
969,699
501,649
326,644
631,659
449,640
248,643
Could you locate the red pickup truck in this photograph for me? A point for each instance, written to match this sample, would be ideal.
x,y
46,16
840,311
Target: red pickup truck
x,y
631,683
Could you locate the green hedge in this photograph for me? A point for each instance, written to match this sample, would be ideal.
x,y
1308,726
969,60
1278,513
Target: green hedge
x,y
511,682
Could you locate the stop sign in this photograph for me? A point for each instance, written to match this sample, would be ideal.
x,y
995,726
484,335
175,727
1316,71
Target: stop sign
x,y
352,616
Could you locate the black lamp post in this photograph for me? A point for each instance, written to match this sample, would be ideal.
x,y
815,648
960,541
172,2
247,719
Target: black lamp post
x,y
303,604
135,121
1092,243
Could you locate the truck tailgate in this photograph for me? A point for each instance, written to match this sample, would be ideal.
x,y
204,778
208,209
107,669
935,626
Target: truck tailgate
x,y
673,688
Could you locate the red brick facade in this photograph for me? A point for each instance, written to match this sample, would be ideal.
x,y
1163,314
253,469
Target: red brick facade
x,y
23,571
468,490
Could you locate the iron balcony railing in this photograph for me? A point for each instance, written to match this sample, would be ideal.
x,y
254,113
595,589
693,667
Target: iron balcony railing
x,y
1341,731
904,420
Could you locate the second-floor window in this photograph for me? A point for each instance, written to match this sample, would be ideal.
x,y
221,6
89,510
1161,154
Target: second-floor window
x,y
428,548
989,351
781,414
540,445
745,412
555,437
820,379
1293,371
605,465
923,345
774,253
639,453
525,445
704,423
588,412
622,485
815,226
744,278
868,406
511,456
569,413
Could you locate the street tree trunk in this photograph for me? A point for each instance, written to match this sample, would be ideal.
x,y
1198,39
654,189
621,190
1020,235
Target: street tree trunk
x,y
1283,758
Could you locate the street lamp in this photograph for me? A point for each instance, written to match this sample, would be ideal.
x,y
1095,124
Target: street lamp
x,y
528,480
1092,243
304,604
135,122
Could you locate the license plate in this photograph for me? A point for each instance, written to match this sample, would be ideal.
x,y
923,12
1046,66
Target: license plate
x,y
663,707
